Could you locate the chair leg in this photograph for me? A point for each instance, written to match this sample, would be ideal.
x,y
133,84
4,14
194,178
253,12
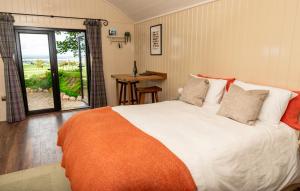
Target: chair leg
x,y
131,92
120,97
152,95
125,92
135,92
156,97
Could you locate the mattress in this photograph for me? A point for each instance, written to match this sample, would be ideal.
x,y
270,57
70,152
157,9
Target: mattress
x,y
221,154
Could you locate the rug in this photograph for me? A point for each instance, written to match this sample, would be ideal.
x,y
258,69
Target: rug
x,y
44,178
48,178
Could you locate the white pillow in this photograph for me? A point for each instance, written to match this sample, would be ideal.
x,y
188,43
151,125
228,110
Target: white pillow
x,y
274,105
215,91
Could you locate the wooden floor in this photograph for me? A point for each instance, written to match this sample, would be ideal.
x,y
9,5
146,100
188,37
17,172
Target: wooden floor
x,y
30,143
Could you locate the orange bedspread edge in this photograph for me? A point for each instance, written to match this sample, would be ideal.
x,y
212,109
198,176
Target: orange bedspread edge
x,y
103,151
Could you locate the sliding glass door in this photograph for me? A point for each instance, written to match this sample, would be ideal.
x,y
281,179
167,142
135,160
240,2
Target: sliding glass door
x,y
54,69
37,69
73,69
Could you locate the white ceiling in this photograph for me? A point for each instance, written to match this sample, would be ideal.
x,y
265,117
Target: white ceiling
x,y
143,9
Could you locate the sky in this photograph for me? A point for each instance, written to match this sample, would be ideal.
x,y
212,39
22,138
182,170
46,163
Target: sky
x,y
36,45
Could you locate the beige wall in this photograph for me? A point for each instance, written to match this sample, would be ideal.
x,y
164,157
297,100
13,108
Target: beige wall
x,y
115,60
253,40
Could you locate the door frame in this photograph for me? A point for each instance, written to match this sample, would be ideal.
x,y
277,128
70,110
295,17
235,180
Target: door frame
x,y
53,64
88,65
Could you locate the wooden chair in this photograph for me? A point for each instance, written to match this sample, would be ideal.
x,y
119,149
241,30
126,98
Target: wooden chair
x,y
148,90
123,93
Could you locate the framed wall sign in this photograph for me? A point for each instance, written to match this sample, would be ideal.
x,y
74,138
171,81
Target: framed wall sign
x,y
156,40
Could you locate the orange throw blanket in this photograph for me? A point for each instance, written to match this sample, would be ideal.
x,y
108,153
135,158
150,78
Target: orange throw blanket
x,y
103,151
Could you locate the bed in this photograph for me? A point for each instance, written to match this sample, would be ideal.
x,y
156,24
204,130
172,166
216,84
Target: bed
x,y
219,153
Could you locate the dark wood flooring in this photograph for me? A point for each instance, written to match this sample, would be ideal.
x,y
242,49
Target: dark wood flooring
x,y
31,143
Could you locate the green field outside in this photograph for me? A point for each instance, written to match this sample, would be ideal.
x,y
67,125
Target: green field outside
x,y
38,76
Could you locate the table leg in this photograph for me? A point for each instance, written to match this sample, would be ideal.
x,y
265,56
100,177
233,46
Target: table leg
x,y
129,94
156,97
117,91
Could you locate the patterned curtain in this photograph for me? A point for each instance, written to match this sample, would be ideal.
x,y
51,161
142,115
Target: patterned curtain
x,y
15,110
97,86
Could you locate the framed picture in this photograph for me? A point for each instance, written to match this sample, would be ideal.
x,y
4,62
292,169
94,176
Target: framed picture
x,y
156,40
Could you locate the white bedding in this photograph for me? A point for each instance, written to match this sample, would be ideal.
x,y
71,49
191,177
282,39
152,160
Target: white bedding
x,y
221,154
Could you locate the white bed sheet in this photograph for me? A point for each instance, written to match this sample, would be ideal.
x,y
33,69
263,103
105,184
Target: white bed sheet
x,y
221,154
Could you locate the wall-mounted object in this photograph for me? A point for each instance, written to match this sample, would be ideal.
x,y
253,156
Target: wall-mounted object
x,y
117,38
127,36
156,40
120,39
112,32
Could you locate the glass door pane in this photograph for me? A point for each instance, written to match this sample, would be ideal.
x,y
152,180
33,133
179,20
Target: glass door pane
x,y
71,59
37,71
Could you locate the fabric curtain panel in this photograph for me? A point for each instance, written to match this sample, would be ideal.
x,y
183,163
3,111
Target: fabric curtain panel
x,y
97,86
15,110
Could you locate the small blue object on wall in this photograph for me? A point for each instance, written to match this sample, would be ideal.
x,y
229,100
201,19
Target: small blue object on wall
x,y
112,32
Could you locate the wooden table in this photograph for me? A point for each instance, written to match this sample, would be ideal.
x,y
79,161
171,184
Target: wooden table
x,y
151,76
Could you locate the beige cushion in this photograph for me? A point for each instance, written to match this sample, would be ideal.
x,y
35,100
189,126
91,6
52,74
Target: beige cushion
x,y
243,106
195,90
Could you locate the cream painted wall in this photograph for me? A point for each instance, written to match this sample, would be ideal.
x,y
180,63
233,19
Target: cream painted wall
x,y
115,60
253,40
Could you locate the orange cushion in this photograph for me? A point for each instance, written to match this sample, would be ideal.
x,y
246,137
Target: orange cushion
x,y
291,115
229,80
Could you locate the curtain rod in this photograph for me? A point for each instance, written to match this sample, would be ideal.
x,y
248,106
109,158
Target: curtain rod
x,y
104,21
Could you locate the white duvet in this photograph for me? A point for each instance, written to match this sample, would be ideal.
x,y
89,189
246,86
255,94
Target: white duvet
x,y
221,154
